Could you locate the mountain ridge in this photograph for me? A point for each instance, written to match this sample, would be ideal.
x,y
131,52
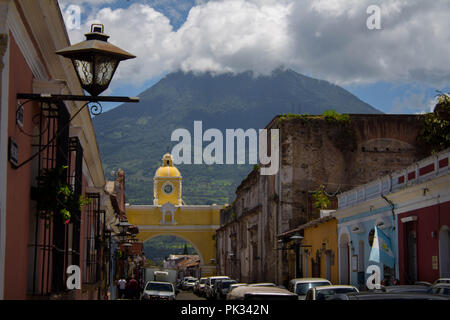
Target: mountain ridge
x,y
135,136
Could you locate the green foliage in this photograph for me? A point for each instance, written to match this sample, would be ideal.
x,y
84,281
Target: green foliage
x,y
332,115
328,115
56,195
158,248
321,200
303,117
435,134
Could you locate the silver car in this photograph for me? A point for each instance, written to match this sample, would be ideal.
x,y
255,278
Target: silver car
x,y
189,284
442,280
300,286
260,293
156,290
324,292
210,286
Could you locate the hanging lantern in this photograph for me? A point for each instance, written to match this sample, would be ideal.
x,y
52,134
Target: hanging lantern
x,y
95,60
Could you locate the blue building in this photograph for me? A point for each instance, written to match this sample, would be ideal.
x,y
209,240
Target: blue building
x,y
384,207
360,211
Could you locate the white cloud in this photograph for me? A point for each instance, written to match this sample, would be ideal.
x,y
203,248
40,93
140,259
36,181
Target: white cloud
x,y
327,39
414,102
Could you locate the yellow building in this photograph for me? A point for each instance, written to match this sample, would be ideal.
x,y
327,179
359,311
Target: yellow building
x,y
321,258
196,224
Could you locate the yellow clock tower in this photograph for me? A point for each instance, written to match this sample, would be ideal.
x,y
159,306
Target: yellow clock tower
x,y
169,215
167,183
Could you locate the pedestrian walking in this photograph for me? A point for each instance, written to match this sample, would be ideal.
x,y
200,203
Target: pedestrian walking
x,y
133,288
122,285
142,286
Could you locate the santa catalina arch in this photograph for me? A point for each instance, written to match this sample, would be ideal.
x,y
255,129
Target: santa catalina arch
x,y
196,224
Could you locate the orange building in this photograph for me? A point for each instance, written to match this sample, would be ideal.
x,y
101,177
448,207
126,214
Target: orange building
x,y
40,146
318,250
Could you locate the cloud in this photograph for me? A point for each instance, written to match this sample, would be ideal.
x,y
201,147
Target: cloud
x,y
326,39
414,102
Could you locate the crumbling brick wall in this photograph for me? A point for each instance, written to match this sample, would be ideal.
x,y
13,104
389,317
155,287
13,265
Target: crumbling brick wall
x,y
315,151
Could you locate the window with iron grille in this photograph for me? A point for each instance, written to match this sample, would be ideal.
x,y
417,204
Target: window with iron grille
x,y
91,223
76,180
47,249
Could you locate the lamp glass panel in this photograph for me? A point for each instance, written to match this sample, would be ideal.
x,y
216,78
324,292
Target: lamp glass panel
x,y
105,66
84,71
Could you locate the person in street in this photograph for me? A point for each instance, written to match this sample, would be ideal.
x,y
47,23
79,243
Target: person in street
x,y
141,285
122,286
133,288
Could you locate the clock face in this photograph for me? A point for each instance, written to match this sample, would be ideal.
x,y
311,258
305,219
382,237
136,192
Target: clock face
x,y
168,188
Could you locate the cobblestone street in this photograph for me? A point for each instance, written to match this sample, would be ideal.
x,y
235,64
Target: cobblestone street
x,y
188,295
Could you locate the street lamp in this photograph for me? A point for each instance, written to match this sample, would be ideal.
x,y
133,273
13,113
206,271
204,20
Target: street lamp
x,y
95,60
297,238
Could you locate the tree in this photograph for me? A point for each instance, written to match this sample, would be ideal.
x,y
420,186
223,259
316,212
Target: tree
x,y
435,134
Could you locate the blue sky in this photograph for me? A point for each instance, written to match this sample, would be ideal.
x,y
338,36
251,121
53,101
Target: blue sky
x,y
396,69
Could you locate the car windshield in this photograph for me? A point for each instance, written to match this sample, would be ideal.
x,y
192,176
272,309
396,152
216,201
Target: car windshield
x,y
443,281
302,288
213,280
191,280
159,287
227,284
322,294
202,281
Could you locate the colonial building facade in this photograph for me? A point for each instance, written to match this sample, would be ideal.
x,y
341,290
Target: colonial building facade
x,y
316,153
412,207
40,146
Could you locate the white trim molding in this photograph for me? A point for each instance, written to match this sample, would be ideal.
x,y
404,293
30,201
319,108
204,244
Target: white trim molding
x,y
23,40
408,219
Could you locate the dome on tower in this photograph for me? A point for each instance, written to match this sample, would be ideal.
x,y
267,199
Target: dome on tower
x,y
167,169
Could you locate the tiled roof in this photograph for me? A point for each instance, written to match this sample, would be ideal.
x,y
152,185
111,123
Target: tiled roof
x,y
309,224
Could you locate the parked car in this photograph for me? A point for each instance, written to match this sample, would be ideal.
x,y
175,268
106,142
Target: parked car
x,y
260,293
440,288
423,283
404,288
180,284
263,284
387,296
209,286
323,292
157,290
442,280
189,284
201,286
184,280
223,287
300,286
236,285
